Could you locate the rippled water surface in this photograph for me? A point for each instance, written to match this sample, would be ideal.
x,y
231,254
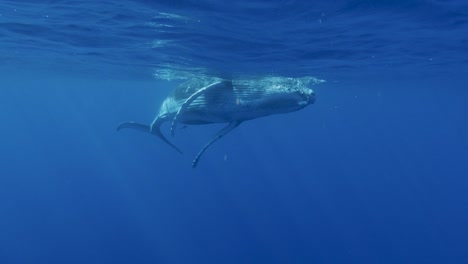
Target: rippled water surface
x,y
176,38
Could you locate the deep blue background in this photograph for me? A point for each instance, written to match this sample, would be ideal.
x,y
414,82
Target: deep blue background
x,y
374,172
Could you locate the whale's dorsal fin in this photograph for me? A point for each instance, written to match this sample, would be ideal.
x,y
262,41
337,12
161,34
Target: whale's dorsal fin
x,y
191,98
153,129
218,135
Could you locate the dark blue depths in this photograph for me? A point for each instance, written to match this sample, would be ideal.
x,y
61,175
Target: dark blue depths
x,y
373,172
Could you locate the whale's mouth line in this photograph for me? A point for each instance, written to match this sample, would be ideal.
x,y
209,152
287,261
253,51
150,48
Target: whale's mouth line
x,y
311,98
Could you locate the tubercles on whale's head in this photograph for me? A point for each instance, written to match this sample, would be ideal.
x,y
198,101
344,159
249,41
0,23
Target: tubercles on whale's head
x,y
307,95
283,95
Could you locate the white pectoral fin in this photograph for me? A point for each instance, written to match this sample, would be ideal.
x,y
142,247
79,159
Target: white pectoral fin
x,y
193,97
218,135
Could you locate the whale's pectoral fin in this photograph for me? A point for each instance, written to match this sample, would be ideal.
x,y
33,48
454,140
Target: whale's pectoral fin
x,y
190,99
134,125
218,135
153,129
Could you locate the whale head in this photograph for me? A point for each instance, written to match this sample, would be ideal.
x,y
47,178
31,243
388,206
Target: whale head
x,y
284,95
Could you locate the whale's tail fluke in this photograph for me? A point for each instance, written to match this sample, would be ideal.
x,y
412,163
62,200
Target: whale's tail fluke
x,y
148,129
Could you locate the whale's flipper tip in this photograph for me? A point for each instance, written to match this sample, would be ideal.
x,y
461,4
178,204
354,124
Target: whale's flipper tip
x,y
134,125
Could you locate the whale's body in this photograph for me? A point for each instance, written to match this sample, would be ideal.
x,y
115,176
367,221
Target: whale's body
x,y
214,100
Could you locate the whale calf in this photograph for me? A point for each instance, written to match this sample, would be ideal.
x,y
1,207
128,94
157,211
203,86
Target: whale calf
x,y
214,100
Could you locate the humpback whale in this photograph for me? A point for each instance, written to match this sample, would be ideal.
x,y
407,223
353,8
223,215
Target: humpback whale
x,y
214,100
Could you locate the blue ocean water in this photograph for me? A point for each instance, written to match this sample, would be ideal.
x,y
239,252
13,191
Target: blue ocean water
x,y
374,172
